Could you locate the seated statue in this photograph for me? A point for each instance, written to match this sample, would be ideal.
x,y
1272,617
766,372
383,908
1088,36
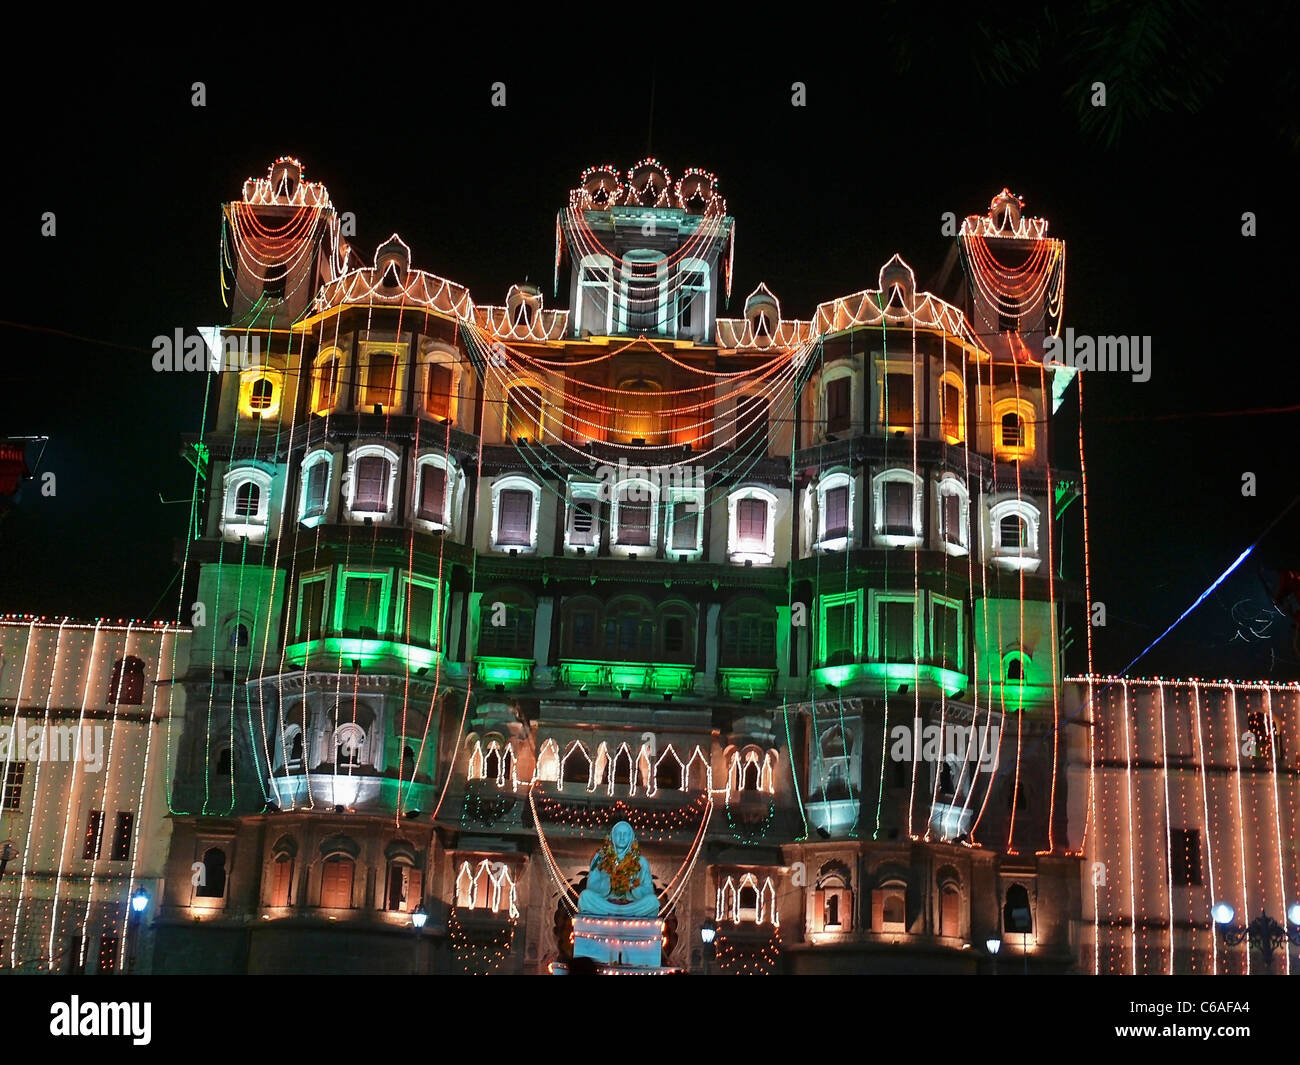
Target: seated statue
x,y
619,884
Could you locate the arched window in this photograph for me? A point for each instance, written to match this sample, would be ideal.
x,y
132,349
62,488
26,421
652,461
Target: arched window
x,y
889,907
515,505
436,481
832,909
952,407
1015,668
834,511
212,879
954,515
676,632
629,629
1014,525
246,509
238,636
582,522
314,498
748,630
126,687
1017,918
641,418
750,776
576,766
372,482
282,880
548,761
896,497
261,394
405,885
325,378
292,745
1013,428
751,526
950,910
669,771
337,874
747,903
492,762
523,414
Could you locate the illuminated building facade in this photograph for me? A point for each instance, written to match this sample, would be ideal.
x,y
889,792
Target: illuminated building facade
x,y
1193,803
477,581
89,722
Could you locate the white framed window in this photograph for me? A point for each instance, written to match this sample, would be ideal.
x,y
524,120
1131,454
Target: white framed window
x,y
952,517
694,313
516,503
896,508
643,307
314,489
751,526
835,512
595,310
1013,534
582,522
436,493
1013,429
684,524
438,383
371,483
246,504
634,510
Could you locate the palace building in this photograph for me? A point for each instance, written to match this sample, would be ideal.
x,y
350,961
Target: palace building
x,y
481,580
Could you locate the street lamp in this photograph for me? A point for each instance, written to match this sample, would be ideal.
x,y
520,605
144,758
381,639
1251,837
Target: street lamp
x,y
993,944
1263,933
139,903
708,933
419,916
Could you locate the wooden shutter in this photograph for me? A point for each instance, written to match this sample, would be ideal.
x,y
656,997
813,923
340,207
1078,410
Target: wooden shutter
x,y
433,493
515,517
751,521
317,485
837,512
686,517
371,484
437,391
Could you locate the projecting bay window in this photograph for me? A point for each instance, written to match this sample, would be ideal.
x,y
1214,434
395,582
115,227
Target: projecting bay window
x,y
946,638
419,617
841,628
311,607
894,631
515,505
371,483
362,605
435,493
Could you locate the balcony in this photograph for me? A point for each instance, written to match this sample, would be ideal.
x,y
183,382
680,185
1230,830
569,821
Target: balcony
x,y
641,677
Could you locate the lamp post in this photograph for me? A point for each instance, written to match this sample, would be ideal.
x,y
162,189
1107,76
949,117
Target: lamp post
x,y
139,904
418,918
708,933
1263,933
993,944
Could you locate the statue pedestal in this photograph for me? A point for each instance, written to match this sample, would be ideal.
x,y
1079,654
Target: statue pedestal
x,y
625,941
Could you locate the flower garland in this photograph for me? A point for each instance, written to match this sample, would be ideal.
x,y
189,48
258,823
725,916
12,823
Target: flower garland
x,y
625,873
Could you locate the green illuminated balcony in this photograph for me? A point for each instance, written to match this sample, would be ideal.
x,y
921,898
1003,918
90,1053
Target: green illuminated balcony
x,y
339,652
736,682
890,675
500,672
659,677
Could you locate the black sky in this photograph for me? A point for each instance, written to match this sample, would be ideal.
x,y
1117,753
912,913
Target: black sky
x,y
822,195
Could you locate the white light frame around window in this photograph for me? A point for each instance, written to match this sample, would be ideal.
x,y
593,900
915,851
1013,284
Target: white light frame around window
x,y
379,517
674,496
621,549
757,554
450,493
312,459
234,527
644,257
878,535
584,287
827,483
515,482
1020,558
947,485
584,492
1025,409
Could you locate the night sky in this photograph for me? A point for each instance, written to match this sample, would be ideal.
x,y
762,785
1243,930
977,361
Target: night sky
x,y
822,196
